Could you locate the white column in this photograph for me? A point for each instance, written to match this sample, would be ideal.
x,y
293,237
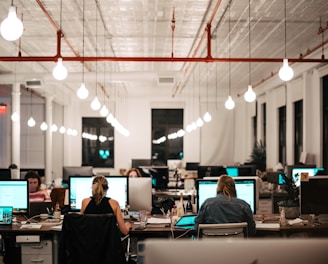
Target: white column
x,y
48,146
15,134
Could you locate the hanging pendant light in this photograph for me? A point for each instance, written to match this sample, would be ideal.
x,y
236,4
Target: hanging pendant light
x,y
15,117
229,103
83,92
43,126
286,73
12,27
250,95
60,71
62,130
31,121
207,116
54,128
95,104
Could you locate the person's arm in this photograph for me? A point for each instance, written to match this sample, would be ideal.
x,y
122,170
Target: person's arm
x,y
123,226
251,226
84,205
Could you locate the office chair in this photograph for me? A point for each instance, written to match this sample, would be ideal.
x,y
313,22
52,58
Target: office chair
x,y
92,238
228,230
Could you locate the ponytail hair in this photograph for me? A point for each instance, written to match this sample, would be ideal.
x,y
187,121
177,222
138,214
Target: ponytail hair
x,y
226,185
99,188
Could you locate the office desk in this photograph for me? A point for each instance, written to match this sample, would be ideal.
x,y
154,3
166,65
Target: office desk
x,y
13,234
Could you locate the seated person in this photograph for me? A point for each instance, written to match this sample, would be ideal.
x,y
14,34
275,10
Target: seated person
x,y
226,207
35,192
98,203
133,172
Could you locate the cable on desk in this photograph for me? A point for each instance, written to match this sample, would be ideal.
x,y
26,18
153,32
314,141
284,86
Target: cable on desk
x,y
182,235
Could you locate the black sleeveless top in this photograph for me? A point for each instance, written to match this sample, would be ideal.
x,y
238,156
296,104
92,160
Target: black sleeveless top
x,y
103,208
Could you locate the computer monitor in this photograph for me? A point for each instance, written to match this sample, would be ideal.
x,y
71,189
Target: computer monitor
x,y
232,171
5,174
135,163
296,173
192,166
76,171
246,188
207,171
158,174
23,171
15,193
80,187
314,197
140,194
247,170
276,177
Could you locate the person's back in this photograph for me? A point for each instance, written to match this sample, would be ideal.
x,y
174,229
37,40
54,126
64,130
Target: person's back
x,y
226,207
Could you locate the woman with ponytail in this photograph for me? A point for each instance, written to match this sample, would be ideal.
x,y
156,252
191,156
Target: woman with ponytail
x,y
98,203
226,207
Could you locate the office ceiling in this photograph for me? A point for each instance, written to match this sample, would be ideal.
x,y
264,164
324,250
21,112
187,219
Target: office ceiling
x,y
139,54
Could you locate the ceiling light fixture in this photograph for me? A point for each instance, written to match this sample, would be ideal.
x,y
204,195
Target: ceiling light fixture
x,y
286,73
12,27
250,95
31,121
82,92
95,104
43,126
229,103
60,71
207,117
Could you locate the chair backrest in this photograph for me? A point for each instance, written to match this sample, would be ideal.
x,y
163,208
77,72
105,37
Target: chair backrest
x,y
228,230
91,239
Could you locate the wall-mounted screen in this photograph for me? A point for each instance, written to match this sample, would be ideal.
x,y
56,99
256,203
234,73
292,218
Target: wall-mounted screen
x,y
246,188
14,193
80,187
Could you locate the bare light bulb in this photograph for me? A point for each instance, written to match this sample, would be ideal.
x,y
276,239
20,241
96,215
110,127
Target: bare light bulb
x,y
95,104
15,117
229,103
207,117
104,111
250,95
82,92
12,27
60,71
286,73
62,130
43,126
31,122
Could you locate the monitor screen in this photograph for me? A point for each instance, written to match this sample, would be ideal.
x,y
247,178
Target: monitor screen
x,y
76,171
15,193
232,171
158,174
314,195
192,166
135,163
80,187
5,174
296,173
207,171
246,188
140,194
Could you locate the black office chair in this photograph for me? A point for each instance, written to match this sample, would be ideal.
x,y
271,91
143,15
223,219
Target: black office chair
x,y
88,238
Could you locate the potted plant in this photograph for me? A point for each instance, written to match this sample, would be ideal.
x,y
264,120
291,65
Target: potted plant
x,y
291,202
258,156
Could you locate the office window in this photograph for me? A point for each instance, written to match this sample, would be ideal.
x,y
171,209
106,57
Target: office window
x,y
165,122
298,133
97,142
282,135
